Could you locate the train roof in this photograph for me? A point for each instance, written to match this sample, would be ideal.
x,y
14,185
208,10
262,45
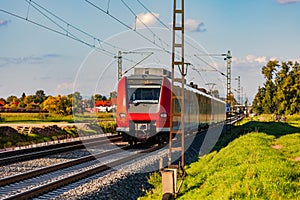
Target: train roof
x,y
197,91
155,73
144,76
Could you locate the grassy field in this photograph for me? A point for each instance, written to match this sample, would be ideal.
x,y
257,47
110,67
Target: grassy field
x,y
45,117
258,160
44,131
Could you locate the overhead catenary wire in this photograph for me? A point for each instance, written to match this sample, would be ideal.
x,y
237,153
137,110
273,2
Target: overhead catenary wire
x,y
187,42
161,22
165,25
68,24
154,35
127,26
141,21
210,65
108,53
133,29
64,31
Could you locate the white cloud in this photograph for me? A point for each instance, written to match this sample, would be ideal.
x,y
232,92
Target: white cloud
x,y
64,88
251,59
273,58
287,1
147,19
193,25
5,61
4,22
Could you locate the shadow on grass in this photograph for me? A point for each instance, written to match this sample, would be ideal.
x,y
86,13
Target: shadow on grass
x,y
276,129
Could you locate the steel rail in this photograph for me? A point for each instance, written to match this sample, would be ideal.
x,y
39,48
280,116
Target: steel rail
x,y
31,174
56,149
75,177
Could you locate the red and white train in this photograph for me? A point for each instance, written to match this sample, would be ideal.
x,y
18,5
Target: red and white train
x,y
143,106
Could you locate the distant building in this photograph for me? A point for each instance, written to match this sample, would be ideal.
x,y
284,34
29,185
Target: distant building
x,y
105,106
2,103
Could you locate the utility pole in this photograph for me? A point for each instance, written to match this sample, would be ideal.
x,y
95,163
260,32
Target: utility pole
x,y
242,96
239,89
119,65
228,59
228,98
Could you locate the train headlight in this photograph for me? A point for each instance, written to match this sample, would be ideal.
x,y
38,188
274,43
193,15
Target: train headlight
x,y
163,115
122,115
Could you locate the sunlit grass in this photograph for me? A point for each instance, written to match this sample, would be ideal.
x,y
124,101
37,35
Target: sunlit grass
x,y
45,117
257,160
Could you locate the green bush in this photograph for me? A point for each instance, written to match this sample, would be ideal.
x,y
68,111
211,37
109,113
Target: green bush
x,y
2,119
108,126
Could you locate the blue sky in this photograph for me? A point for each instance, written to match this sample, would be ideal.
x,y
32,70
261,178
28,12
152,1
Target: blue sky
x,y
34,58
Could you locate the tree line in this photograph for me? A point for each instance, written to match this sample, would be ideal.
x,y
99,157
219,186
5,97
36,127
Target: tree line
x,y
60,104
280,93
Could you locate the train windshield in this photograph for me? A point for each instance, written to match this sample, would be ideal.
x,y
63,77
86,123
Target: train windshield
x,y
147,94
143,98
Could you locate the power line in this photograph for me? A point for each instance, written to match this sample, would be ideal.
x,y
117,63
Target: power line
x,y
136,17
210,65
127,26
65,32
161,22
67,24
58,32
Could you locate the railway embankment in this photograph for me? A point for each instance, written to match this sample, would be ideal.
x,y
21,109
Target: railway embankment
x,y
259,159
16,136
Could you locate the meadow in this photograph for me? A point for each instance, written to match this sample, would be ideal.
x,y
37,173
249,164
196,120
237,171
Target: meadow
x,y
47,127
45,117
259,159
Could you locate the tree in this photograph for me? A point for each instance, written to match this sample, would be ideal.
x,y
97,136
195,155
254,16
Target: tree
x,y
113,94
281,95
76,101
257,102
11,99
40,96
28,100
57,105
283,83
268,104
22,97
295,89
97,97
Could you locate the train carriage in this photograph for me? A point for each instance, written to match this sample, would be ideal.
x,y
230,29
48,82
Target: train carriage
x,y
143,106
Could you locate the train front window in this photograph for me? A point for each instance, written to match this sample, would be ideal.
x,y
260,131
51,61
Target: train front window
x,y
143,98
146,94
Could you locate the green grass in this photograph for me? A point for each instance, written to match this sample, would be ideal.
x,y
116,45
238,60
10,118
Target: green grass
x,y
45,117
257,160
248,168
9,137
34,118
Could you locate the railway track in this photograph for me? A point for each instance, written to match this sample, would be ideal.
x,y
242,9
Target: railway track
x,y
34,183
37,182
234,119
38,152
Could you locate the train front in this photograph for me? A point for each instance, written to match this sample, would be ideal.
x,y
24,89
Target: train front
x,y
143,108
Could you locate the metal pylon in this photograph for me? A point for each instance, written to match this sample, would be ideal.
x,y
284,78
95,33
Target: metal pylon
x,y
177,97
